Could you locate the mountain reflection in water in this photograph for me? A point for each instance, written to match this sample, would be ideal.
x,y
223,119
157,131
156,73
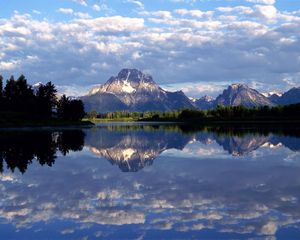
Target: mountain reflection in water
x,y
206,183
133,147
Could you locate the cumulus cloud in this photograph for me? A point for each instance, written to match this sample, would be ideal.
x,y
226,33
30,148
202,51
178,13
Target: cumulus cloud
x,y
192,45
266,12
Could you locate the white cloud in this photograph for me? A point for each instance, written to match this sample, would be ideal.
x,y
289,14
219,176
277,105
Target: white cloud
x,y
237,9
70,11
96,7
257,39
110,24
137,3
270,2
36,12
81,2
266,12
159,14
82,15
66,10
194,13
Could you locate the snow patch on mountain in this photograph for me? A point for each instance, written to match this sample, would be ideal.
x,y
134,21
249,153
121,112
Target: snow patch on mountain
x,y
127,87
269,94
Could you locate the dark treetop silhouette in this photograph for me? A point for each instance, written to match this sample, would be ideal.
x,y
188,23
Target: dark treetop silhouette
x,y
19,102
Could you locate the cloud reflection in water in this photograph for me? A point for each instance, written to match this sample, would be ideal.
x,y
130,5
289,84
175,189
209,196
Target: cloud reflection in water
x,y
217,195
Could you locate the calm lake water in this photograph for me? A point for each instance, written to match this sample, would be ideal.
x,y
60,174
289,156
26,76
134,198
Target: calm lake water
x,y
120,181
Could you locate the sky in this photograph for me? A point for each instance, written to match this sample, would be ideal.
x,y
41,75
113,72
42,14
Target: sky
x,y
198,46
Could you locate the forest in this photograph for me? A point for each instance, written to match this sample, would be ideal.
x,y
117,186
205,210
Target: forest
x,y
20,102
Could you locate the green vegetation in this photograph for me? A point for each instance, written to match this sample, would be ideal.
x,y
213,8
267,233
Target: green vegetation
x,y
231,114
220,114
125,116
21,105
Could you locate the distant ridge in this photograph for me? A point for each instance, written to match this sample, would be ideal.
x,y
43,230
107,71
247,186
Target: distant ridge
x,y
240,94
290,97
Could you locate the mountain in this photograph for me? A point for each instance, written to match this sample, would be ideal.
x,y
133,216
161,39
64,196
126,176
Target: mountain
x,y
290,97
274,98
133,90
240,94
205,102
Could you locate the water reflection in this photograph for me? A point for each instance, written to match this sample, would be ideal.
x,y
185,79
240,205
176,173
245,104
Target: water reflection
x,y
132,148
253,194
19,148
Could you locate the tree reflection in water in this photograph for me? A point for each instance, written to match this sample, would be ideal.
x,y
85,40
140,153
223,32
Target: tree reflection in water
x,y
19,149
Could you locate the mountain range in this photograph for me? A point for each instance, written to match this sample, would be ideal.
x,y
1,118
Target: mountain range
x,y
132,90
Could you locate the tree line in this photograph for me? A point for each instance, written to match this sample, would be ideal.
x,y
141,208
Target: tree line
x,y
220,113
19,100
242,113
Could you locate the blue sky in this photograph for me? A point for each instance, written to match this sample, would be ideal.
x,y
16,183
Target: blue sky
x,y
199,46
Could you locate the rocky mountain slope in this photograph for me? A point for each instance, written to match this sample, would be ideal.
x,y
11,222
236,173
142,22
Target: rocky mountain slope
x,y
205,102
133,90
290,97
239,94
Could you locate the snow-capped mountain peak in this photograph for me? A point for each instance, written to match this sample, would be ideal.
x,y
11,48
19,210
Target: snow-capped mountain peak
x,y
133,90
128,81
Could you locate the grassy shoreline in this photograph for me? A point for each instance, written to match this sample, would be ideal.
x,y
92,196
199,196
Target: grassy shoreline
x,y
222,121
196,121
100,120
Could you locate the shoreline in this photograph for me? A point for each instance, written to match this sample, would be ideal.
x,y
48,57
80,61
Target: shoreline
x,y
44,124
215,121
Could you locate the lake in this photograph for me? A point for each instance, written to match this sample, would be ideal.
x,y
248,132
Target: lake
x,y
150,181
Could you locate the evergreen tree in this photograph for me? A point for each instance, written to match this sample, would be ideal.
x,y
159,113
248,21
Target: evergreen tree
x,y
46,97
70,109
